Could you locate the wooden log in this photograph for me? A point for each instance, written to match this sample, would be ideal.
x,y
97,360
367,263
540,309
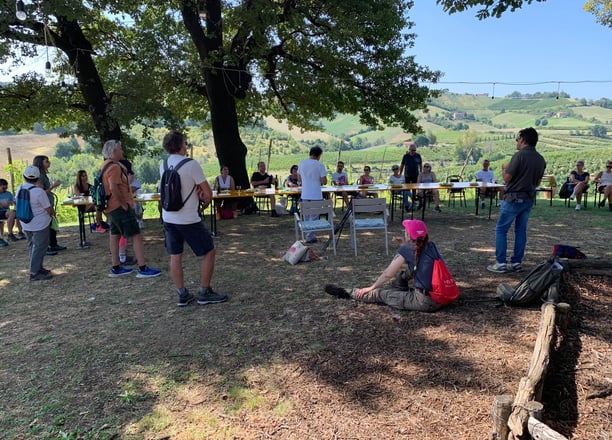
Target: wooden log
x,y
502,407
563,310
535,409
530,386
540,431
588,263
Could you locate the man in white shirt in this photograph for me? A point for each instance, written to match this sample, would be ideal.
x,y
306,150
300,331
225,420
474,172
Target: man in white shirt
x,y
185,225
37,229
487,176
397,179
312,175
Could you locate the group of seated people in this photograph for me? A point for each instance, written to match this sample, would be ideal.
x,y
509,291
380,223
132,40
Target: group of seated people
x,y
578,184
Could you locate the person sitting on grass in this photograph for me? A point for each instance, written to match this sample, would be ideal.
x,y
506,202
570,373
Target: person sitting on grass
x,y
419,254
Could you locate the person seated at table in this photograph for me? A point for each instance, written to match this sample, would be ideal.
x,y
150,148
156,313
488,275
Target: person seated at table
x,y
340,178
485,175
82,187
604,181
397,179
419,254
225,182
579,183
261,178
366,179
428,176
293,181
6,201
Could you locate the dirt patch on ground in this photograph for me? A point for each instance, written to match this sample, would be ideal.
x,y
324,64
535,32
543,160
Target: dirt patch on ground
x,y
95,357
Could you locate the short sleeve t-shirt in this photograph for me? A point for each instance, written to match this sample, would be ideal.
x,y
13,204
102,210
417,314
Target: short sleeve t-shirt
x,y
424,270
485,176
39,202
191,175
311,172
340,179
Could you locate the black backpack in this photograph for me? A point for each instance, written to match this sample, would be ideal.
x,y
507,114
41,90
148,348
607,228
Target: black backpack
x,y
100,198
533,289
170,187
22,205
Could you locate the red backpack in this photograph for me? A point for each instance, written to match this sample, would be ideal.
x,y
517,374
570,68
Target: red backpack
x,y
444,287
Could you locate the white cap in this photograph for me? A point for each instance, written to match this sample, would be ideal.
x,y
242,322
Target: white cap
x,y
31,172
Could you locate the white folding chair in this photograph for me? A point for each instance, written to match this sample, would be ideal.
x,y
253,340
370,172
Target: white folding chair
x,y
370,207
315,208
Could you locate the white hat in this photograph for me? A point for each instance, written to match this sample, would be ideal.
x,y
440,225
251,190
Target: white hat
x,y
31,172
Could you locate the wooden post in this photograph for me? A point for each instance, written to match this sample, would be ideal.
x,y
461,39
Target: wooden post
x,y
535,409
10,162
502,407
563,310
530,386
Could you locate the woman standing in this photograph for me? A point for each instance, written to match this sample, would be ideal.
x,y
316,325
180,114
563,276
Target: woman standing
x,y
43,165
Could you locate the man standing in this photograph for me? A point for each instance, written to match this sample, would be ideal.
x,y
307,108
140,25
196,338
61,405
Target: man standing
x,y
185,225
312,174
521,177
261,178
37,229
485,175
412,164
120,212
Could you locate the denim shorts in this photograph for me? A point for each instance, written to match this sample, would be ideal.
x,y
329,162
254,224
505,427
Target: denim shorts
x,y
196,235
123,222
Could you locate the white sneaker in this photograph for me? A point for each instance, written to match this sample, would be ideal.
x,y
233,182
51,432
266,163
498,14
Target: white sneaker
x,y
573,196
578,208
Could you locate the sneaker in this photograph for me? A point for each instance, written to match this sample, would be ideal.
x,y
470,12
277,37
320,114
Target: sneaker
x,y
482,205
12,237
40,276
336,291
57,247
120,272
100,230
3,243
129,261
498,268
50,252
208,296
185,299
148,273
21,236
578,207
572,197
45,271
437,209
517,267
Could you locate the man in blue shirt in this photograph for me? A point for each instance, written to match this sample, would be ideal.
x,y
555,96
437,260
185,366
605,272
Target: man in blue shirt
x,y
412,164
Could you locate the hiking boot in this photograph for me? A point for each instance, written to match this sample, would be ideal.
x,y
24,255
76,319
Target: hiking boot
x,y
336,291
498,268
185,299
208,296
3,243
578,207
120,272
148,273
50,252
437,209
517,267
40,276
21,236
57,247
12,237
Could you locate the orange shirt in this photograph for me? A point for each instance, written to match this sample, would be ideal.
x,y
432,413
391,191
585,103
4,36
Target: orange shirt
x,y
116,186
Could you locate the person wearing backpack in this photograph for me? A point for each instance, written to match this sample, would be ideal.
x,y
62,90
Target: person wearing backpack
x,y
180,200
120,212
36,225
43,164
420,255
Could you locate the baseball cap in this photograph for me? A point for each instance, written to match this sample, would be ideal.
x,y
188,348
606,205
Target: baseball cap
x,y
415,228
31,172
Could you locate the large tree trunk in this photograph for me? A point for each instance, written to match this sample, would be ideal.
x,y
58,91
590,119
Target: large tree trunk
x,y
230,149
75,45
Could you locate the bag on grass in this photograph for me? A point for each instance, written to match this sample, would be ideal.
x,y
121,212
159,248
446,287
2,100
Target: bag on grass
x,y
565,191
226,213
170,187
567,251
23,207
296,252
534,287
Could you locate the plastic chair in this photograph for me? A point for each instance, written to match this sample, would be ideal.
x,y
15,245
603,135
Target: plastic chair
x,y
315,208
454,194
370,207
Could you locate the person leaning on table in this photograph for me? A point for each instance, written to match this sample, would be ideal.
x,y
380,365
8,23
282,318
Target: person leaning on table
x,y
419,254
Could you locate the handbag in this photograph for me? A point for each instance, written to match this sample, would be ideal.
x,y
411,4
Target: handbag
x,y
54,224
295,252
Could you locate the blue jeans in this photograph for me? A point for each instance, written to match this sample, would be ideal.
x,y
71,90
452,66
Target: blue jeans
x,y
517,212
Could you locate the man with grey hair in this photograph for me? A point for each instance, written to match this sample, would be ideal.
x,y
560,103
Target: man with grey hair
x,y
120,212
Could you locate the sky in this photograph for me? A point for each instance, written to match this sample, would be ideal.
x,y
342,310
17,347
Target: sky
x,y
554,41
